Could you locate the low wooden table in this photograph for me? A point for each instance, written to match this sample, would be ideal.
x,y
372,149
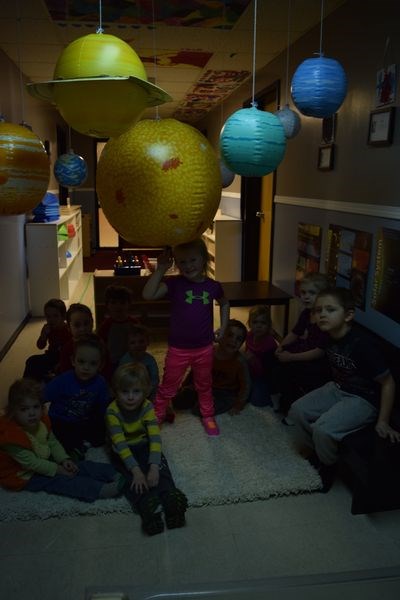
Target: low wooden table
x,y
249,293
239,293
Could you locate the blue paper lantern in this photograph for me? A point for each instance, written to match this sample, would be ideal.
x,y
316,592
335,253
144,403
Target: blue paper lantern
x,y
70,169
290,121
319,86
227,176
252,142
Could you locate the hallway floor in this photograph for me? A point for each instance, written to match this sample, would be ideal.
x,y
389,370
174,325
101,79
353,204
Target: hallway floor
x,y
288,536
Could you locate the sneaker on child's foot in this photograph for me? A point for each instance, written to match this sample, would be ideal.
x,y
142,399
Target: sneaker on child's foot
x,y
210,426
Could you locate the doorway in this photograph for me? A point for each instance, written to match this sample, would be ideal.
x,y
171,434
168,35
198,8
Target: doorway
x,y
257,209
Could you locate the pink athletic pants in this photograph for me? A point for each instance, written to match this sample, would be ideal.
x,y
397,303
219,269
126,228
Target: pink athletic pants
x,y
177,361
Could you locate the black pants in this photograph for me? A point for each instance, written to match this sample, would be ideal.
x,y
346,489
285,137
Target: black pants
x,y
141,455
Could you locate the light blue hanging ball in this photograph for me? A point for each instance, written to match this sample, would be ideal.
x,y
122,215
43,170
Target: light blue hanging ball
x,y
252,142
290,120
70,169
319,86
227,176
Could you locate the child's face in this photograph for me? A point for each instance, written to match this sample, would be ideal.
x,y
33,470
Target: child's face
x,y
232,340
259,325
130,396
28,414
331,316
53,317
80,324
86,362
118,309
190,264
308,294
137,344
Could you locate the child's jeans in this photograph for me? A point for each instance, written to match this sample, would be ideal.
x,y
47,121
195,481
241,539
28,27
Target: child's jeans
x,y
177,362
326,415
85,485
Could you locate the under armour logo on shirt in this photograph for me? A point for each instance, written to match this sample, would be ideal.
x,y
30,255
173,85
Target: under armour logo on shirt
x,y
205,297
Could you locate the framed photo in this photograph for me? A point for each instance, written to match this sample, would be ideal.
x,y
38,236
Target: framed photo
x,y
329,125
381,124
325,157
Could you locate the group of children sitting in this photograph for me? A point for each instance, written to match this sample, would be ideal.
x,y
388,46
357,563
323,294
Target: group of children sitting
x,y
326,377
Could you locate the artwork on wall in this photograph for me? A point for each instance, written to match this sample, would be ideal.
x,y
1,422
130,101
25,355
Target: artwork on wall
x,y
381,125
386,85
326,154
348,259
309,239
386,287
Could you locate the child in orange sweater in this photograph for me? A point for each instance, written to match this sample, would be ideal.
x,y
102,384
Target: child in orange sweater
x,y
31,457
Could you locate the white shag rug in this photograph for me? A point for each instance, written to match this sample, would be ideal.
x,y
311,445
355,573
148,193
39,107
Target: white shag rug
x,y
252,459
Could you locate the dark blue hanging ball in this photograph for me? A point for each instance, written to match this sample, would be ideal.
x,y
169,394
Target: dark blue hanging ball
x,y
319,86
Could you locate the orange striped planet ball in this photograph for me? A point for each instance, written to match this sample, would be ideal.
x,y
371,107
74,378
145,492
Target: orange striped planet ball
x,y
159,183
24,169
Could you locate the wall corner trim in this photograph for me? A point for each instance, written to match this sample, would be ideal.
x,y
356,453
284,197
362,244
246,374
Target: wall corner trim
x,y
358,208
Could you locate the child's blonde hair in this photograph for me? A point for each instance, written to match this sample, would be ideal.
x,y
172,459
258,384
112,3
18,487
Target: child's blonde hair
x,y
319,280
261,310
132,374
197,245
20,390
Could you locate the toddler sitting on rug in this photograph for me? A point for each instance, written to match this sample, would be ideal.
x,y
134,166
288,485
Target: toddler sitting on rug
x,y
31,457
136,451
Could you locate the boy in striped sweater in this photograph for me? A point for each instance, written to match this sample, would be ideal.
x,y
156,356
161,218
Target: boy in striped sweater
x,y
136,450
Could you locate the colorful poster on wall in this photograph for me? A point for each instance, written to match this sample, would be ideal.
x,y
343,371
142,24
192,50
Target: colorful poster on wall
x,y
348,259
309,238
386,85
386,289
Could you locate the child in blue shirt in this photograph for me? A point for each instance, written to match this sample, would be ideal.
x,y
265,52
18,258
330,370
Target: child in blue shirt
x,y
79,398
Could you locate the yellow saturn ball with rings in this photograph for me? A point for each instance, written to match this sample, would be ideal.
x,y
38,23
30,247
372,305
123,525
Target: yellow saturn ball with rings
x,y
99,86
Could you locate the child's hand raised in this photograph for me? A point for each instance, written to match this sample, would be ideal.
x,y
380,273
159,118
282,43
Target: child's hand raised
x,y
153,475
139,482
165,260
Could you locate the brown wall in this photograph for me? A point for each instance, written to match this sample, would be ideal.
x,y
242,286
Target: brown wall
x,y
355,35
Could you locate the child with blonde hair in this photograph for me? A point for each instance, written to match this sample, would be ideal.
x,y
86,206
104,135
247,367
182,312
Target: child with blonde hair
x,y
32,459
302,352
190,342
136,451
260,353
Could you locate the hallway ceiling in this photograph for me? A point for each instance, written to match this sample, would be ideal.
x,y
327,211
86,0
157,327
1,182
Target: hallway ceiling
x,y
199,51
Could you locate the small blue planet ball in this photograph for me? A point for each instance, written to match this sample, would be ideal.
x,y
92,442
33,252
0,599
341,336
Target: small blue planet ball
x,y
319,86
290,120
227,176
252,142
70,169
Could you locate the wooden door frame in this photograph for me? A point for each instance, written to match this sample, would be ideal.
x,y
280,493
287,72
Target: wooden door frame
x,y
250,200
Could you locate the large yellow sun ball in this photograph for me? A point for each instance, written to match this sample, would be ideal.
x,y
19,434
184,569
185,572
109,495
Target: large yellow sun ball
x,y
24,169
159,183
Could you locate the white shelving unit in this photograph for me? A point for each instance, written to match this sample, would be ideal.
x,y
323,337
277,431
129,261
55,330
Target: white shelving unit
x,y
54,264
224,245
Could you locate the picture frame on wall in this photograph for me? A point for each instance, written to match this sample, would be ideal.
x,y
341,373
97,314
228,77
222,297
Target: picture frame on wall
x,y
381,125
326,157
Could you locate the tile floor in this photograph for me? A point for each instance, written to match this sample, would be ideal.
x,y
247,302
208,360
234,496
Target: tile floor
x,y
296,535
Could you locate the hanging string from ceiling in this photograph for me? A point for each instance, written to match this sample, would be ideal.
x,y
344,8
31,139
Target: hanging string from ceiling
x,y
100,27
289,118
155,58
321,28
253,87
